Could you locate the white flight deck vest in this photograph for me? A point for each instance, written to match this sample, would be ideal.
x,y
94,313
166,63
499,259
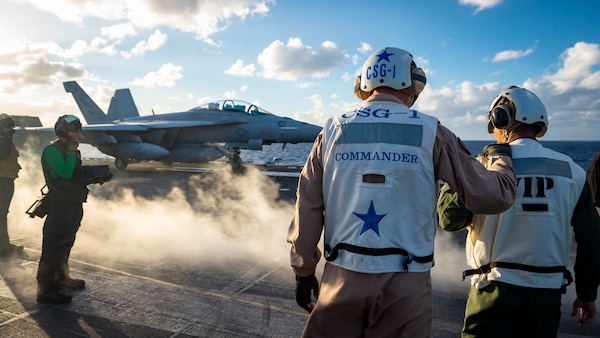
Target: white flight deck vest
x,y
534,235
386,225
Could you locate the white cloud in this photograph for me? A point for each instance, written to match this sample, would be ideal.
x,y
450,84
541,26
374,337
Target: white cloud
x,y
570,96
24,64
155,41
347,77
80,48
203,18
289,62
364,48
304,85
238,68
76,11
231,94
166,76
576,71
119,31
511,54
480,4
102,45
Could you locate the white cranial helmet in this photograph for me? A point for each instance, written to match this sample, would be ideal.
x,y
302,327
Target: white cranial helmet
x,y
394,68
517,105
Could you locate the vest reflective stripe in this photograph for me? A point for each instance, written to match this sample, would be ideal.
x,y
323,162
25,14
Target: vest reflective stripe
x,y
379,189
542,166
406,134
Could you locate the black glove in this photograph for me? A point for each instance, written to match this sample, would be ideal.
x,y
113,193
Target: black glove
x,y
103,179
497,149
494,150
304,285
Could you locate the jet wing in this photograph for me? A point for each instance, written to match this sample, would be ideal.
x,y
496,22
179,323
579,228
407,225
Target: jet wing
x,y
113,127
130,126
183,124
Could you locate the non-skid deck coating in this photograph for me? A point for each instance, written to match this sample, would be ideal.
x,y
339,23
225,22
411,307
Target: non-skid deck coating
x,y
174,296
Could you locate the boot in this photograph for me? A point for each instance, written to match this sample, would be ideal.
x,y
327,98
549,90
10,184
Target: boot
x,y
53,297
71,284
11,250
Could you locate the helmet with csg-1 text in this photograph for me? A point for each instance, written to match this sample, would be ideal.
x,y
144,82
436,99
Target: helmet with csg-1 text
x,y
390,67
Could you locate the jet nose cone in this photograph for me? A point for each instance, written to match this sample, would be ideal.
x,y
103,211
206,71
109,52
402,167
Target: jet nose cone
x,y
309,132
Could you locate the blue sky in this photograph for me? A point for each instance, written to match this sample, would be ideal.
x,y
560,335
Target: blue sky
x,y
299,58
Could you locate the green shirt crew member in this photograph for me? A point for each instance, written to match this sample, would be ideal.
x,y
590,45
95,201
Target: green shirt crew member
x,y
67,190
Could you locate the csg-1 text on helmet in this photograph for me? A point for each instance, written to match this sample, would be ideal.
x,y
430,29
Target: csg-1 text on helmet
x,y
390,67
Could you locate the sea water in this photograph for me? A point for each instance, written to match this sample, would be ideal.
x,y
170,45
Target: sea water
x,y
581,152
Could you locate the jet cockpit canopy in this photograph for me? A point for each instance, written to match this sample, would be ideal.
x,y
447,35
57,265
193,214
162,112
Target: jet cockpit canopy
x,y
233,105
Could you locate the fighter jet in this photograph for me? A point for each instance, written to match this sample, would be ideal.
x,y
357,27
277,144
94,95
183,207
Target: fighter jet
x,y
201,134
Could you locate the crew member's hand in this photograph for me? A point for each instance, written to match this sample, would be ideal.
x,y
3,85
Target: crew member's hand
x,y
497,149
587,311
104,179
72,146
304,286
494,150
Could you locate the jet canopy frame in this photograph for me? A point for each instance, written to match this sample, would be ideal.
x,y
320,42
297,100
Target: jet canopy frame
x,y
233,105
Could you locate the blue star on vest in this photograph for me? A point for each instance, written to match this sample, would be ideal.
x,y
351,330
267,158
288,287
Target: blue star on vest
x,y
371,220
384,56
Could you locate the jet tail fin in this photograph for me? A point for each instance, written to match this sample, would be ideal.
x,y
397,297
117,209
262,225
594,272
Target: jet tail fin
x,y
122,105
90,110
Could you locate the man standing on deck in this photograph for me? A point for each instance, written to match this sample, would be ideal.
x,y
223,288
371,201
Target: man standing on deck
x,y
67,190
9,171
519,258
370,183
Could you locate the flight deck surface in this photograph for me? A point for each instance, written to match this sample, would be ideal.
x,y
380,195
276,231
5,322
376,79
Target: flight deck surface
x,y
217,265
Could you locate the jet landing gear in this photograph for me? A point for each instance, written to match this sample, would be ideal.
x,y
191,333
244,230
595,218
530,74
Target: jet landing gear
x,y
121,163
237,166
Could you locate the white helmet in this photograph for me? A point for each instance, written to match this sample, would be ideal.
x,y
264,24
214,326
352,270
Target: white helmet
x,y
517,105
391,67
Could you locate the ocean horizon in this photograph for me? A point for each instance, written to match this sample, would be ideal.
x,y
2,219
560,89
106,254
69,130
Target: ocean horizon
x,y
582,152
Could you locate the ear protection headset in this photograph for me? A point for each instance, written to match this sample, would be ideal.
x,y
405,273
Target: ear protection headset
x,y
417,76
358,92
502,116
515,106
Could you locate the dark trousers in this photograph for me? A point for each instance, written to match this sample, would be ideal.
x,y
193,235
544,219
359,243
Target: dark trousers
x,y
61,225
504,310
7,189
